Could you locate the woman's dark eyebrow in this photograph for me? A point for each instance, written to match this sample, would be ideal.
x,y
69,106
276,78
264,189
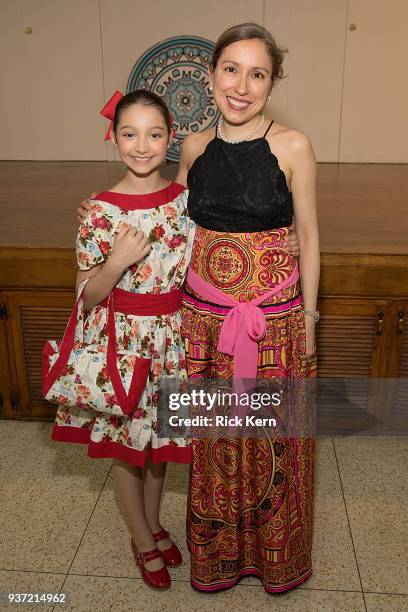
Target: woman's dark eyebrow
x,y
261,68
254,68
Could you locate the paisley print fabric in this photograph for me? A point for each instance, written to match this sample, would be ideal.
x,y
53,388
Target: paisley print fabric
x,y
244,265
251,500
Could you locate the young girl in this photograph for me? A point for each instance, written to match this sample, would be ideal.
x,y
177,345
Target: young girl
x,y
135,243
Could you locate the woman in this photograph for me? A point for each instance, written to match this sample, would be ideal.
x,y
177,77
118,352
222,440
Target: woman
x,y
250,499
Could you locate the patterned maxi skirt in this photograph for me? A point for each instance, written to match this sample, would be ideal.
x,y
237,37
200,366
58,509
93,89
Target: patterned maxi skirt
x,y
250,508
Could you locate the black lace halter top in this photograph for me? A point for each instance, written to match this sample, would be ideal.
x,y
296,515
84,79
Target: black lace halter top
x,y
239,188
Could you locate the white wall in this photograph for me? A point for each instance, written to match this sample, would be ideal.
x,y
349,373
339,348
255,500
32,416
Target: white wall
x,y
346,89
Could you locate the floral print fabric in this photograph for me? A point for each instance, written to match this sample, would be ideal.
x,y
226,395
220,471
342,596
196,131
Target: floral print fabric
x,y
171,233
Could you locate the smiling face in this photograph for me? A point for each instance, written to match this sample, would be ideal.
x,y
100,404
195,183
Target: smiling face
x,y
142,138
242,80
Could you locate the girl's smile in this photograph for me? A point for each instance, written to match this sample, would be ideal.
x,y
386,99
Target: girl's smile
x,y
142,160
142,138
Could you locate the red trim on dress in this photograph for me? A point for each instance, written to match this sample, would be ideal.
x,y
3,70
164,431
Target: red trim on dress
x,y
128,201
78,435
114,450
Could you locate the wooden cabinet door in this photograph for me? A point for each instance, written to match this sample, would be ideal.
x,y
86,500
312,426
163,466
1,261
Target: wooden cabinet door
x,y
351,337
34,318
7,394
397,372
351,341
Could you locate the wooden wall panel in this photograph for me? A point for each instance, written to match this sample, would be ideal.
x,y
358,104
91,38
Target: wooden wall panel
x,y
310,97
374,126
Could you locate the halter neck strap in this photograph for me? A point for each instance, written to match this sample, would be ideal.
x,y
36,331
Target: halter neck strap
x,y
268,128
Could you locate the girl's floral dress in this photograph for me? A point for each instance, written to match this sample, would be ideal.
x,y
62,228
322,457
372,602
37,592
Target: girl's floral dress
x,y
163,217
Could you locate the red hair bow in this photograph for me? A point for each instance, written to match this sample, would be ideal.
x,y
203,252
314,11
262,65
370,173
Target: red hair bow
x,y
108,110
173,131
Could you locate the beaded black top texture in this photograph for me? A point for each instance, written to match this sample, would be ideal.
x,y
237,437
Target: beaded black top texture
x,y
238,188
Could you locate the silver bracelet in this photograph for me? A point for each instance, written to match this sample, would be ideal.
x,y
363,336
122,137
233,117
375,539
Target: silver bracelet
x,y
315,314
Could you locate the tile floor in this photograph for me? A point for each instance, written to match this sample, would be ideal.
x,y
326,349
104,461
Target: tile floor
x,y
61,531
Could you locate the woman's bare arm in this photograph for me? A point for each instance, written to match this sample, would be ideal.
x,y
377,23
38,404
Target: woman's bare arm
x,y
304,200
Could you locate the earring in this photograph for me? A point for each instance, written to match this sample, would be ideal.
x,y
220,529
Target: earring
x,y
210,89
269,97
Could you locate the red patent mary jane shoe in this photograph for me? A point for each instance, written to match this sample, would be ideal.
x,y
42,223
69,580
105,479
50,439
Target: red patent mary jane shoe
x,y
159,579
172,556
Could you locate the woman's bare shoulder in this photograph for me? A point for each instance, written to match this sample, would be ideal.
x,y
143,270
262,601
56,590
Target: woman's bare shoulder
x,y
194,144
290,138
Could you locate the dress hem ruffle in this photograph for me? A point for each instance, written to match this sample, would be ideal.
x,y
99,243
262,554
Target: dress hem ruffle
x,y
227,584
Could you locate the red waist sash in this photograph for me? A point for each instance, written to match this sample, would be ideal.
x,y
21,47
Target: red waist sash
x,y
144,304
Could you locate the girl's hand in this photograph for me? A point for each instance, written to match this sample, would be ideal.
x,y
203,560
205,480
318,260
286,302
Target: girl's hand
x,y
82,211
310,337
292,243
130,247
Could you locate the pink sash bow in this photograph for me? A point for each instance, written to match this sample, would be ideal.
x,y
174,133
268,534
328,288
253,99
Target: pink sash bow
x,y
244,326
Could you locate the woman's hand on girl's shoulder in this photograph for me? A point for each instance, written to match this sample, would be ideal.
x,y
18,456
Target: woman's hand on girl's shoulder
x,y
292,244
83,210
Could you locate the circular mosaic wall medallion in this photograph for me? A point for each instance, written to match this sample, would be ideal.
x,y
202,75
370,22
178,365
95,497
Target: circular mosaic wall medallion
x,y
177,70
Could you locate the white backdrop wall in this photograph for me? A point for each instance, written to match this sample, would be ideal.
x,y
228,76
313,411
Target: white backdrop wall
x,y
346,85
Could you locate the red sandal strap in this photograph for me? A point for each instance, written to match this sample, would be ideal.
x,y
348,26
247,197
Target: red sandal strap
x,y
150,555
160,535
